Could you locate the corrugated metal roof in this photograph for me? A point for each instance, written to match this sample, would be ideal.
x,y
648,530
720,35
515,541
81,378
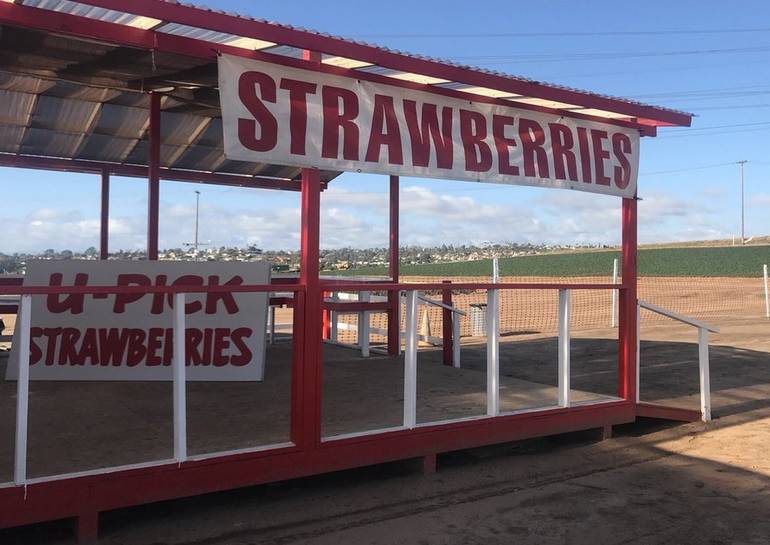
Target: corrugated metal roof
x,y
65,96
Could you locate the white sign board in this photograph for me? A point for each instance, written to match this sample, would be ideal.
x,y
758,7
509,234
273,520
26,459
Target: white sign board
x,y
130,336
284,115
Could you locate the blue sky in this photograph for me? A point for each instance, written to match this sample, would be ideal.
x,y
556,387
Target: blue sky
x,y
656,52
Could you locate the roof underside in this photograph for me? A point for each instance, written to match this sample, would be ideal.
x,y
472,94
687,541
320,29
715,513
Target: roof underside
x,y
76,94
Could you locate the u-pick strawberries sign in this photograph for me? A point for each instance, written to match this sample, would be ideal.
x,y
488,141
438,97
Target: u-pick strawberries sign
x,y
284,115
130,336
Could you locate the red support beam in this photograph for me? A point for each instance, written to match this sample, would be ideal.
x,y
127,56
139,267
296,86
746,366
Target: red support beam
x,y
311,330
309,276
394,314
153,178
627,304
104,222
138,171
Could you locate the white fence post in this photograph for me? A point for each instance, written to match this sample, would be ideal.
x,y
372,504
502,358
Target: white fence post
x,y
495,271
334,319
270,324
456,340
363,325
179,380
767,295
410,361
564,349
638,350
614,310
22,392
705,379
493,353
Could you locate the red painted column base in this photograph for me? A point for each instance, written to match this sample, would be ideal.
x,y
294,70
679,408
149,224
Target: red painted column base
x,y
87,527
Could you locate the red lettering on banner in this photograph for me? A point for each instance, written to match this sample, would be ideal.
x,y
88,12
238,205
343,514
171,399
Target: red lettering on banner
x,y
34,350
168,346
298,92
187,280
334,120
51,334
220,345
503,144
157,298
113,343
621,145
89,349
585,155
193,340
600,154
72,303
473,131
268,125
68,353
532,142
238,336
420,134
561,146
153,345
136,347
213,298
123,299
207,334
385,132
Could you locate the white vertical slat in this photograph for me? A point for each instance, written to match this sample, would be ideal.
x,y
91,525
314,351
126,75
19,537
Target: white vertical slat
x,y
493,353
564,349
495,271
22,392
705,379
271,325
767,294
179,380
410,361
638,350
614,310
456,339
363,325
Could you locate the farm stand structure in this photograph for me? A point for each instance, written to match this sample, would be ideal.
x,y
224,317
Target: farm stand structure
x,y
92,88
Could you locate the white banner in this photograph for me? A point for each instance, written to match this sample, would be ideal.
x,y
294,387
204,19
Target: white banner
x,y
130,336
282,115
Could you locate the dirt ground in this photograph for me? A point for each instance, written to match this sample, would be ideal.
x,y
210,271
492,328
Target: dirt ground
x,y
650,484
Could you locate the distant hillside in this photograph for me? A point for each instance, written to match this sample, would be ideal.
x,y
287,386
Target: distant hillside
x,y
741,261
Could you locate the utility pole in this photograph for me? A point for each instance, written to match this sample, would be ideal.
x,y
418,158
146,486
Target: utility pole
x,y
195,244
197,209
743,213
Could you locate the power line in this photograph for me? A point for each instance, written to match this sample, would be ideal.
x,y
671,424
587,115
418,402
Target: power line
x,y
702,167
561,57
572,34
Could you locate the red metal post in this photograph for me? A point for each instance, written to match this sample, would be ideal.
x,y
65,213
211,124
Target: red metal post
x,y
394,315
104,223
627,305
309,273
153,178
311,332
446,322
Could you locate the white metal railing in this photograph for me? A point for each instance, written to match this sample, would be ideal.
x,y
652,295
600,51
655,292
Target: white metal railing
x,y
364,328
703,352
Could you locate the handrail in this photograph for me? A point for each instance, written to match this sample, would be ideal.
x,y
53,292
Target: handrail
x,y
678,317
704,373
442,305
433,286
134,289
